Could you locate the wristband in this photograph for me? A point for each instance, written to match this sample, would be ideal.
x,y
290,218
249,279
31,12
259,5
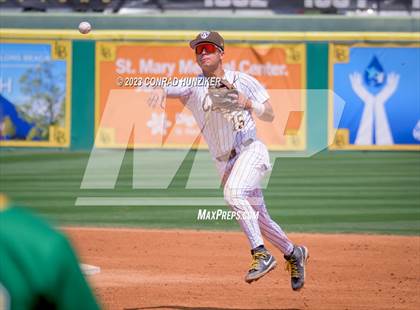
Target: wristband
x,y
258,108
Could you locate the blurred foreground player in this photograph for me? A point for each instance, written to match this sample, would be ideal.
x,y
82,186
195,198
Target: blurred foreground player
x,y
38,268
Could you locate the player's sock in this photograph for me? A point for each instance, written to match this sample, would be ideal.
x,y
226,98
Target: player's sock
x,y
258,248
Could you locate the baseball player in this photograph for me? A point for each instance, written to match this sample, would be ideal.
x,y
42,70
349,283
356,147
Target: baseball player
x,y
38,268
225,113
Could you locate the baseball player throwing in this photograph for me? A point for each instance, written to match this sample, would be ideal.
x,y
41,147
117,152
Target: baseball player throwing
x,y
224,112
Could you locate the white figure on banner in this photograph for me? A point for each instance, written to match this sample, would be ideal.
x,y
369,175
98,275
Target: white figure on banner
x,y
416,131
374,125
158,123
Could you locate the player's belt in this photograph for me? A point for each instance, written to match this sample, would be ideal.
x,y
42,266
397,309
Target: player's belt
x,y
232,154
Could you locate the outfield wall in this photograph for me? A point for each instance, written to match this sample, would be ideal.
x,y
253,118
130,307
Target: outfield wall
x,y
317,65
199,22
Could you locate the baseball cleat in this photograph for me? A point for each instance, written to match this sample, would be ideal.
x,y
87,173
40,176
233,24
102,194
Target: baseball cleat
x,y
296,264
262,263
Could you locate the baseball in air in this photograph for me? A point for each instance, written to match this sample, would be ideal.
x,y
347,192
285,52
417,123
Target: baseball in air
x,y
84,27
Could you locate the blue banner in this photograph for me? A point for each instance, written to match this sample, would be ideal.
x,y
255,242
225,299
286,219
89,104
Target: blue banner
x,y
34,94
380,88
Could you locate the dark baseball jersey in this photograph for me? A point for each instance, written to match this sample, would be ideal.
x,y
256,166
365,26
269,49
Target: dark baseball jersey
x,y
38,268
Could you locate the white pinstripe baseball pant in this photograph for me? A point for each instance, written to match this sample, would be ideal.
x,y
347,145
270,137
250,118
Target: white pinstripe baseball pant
x,y
243,194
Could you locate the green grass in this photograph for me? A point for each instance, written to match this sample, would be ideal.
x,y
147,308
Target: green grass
x,y
362,192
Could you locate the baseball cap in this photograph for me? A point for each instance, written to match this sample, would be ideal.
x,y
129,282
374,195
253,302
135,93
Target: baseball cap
x,y
208,37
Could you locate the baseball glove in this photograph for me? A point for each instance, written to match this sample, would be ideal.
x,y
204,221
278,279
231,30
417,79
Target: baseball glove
x,y
224,97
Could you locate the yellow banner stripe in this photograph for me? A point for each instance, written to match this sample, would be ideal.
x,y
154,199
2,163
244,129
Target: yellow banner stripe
x,y
173,35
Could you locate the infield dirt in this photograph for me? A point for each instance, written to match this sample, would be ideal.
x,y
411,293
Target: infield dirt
x,y
185,269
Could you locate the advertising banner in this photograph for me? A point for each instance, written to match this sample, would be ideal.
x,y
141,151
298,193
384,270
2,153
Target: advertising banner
x,y
380,87
122,67
35,79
